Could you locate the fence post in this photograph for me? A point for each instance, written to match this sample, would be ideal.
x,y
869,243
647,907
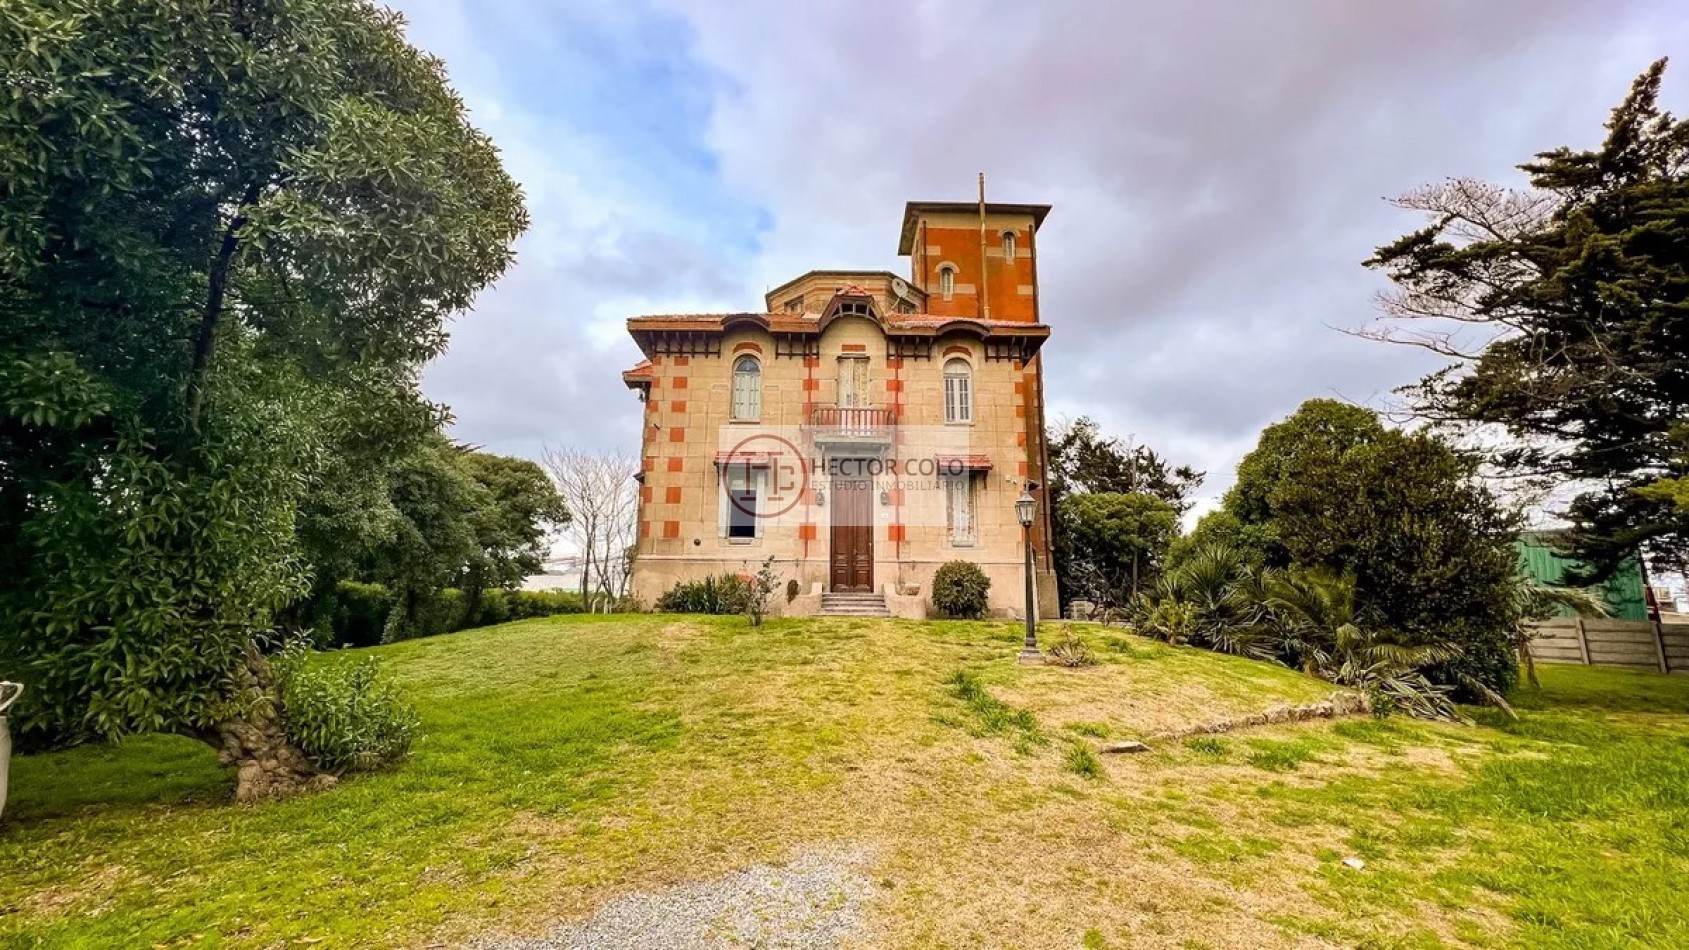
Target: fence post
x,y
1583,642
1660,647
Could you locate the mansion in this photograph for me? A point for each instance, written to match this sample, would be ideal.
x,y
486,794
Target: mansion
x,y
862,429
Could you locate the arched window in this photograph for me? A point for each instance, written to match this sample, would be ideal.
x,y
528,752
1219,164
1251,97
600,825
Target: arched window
x,y
958,391
747,389
947,281
1009,247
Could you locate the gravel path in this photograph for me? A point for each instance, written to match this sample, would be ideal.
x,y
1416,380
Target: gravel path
x,y
814,901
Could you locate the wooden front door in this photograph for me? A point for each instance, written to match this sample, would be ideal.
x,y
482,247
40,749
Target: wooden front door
x,y
853,534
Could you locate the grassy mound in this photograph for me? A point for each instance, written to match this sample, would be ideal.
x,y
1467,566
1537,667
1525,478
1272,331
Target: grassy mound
x,y
568,760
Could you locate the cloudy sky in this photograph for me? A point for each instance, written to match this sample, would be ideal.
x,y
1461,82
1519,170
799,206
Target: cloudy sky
x,y
1217,171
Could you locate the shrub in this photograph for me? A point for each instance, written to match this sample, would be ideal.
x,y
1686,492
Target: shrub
x,y
958,590
759,589
1072,652
344,716
720,594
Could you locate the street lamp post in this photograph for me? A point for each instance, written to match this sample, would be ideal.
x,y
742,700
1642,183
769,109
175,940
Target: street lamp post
x,y
1025,507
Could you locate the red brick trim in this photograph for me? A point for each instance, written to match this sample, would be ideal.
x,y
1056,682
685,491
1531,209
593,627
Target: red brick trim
x,y
682,361
854,347
678,463
806,532
671,529
671,495
958,351
677,434
679,405
679,382
744,345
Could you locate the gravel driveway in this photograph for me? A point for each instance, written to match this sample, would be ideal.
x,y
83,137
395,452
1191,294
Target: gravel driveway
x,y
814,901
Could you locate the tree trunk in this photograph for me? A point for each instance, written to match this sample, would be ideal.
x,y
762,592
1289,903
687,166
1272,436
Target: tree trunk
x,y
268,765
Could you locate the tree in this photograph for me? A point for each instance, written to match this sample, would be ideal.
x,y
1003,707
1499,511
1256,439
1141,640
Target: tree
x,y
1430,550
230,235
599,490
1118,542
1318,430
513,527
1082,459
1565,308
1220,528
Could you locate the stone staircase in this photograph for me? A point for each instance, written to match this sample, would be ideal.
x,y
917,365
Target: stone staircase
x,y
843,604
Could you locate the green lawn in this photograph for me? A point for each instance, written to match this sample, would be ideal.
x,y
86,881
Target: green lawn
x,y
569,760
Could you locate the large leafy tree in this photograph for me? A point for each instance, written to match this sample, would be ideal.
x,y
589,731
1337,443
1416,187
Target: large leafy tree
x,y
1119,541
230,234
1430,549
1085,461
1565,308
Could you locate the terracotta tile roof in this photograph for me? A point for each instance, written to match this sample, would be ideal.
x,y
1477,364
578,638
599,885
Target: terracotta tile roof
x,y
962,462
640,375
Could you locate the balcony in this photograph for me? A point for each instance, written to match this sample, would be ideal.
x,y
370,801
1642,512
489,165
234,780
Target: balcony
x,y
850,424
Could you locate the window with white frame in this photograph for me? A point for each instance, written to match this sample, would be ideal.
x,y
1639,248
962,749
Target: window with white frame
x,y
958,391
947,281
1009,246
959,509
741,495
747,389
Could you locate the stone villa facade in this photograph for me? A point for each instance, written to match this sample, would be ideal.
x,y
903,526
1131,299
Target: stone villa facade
x,y
862,429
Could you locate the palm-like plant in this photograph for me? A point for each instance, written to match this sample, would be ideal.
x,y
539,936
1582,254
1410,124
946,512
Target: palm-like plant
x,y
1389,673
1214,599
1315,625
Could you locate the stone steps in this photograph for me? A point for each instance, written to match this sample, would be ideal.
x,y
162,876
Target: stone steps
x,y
843,604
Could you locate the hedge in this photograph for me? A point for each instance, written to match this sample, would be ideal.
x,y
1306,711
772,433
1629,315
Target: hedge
x,y
361,613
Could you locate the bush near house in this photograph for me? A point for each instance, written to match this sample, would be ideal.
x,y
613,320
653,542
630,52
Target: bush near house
x,y
959,589
717,594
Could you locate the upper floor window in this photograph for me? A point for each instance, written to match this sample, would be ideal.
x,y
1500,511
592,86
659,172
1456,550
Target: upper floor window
x,y
853,382
794,305
958,391
947,281
747,389
1009,246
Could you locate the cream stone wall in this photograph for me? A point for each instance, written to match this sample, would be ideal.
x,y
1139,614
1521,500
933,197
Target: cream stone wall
x,y
681,536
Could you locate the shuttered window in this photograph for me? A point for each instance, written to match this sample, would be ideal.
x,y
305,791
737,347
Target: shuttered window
x,y
747,390
959,509
853,382
958,391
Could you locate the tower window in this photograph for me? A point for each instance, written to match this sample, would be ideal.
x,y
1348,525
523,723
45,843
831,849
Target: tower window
x,y
1009,246
747,389
947,281
958,391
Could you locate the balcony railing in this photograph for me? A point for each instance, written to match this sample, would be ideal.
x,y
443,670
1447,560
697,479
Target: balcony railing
x,y
849,422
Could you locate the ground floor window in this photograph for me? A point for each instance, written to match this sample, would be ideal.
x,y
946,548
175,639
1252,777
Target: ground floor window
x,y
959,509
741,496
